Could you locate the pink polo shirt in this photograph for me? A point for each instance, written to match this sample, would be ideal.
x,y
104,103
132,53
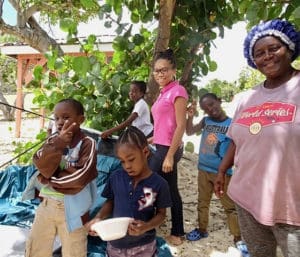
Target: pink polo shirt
x,y
163,112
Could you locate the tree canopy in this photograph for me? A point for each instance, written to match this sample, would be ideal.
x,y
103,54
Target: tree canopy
x,y
188,27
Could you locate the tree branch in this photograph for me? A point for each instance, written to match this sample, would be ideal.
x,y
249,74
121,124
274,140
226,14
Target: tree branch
x,y
14,4
35,36
188,65
41,38
30,12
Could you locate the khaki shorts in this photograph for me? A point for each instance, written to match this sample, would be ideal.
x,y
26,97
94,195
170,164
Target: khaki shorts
x,y
49,222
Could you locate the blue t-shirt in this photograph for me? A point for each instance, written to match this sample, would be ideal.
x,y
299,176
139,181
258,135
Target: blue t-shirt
x,y
213,145
139,203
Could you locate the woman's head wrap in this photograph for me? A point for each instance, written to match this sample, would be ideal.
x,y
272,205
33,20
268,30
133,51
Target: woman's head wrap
x,y
283,30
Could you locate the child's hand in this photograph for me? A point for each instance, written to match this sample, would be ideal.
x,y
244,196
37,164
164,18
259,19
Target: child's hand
x,y
105,134
219,185
150,140
67,131
88,226
191,109
137,227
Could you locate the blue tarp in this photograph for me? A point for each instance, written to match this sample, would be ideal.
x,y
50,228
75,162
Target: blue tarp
x,y
16,212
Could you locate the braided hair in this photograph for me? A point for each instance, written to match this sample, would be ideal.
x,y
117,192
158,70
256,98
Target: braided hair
x,y
132,136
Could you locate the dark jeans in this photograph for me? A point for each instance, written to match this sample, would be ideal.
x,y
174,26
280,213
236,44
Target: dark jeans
x,y
155,163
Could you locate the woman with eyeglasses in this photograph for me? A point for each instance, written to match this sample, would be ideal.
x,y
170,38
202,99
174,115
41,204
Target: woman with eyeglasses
x,y
169,115
265,147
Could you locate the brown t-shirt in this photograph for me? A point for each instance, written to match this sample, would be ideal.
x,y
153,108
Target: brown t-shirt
x,y
67,169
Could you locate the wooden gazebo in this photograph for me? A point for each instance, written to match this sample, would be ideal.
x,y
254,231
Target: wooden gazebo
x,y
27,58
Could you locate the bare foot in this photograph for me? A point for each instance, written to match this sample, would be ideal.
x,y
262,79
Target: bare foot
x,y
174,240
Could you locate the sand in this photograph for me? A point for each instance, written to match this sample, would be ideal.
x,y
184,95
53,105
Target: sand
x,y
219,238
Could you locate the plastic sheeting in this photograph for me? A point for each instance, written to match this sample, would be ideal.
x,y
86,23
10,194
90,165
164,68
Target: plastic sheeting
x,y
15,212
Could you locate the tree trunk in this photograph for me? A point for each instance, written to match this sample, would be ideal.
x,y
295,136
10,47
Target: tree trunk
x,y
166,9
8,112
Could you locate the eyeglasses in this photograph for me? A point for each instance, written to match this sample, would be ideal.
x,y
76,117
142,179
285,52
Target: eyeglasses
x,y
163,71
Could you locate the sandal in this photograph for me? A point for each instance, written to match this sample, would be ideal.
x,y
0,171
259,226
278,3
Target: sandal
x,y
242,247
195,235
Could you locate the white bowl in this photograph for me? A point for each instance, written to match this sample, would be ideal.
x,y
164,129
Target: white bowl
x,y
112,229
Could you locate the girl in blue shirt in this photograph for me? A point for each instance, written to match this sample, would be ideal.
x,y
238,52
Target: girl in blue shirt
x,y
137,192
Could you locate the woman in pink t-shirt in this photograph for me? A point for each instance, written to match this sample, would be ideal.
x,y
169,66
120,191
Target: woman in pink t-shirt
x,y
265,132
169,111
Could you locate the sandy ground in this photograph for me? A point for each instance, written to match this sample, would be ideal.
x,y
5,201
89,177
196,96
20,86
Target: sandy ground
x,y
219,238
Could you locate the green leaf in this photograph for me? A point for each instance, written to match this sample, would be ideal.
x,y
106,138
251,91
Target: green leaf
x,y
150,4
204,68
59,64
81,65
135,18
117,5
296,13
106,8
116,80
217,90
38,72
88,3
252,11
91,39
147,17
189,147
202,91
96,69
212,65
51,58
120,28
120,43
65,24
138,39
107,24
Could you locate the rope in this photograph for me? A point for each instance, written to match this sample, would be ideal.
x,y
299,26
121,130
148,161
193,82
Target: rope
x,y
22,109
29,149
19,155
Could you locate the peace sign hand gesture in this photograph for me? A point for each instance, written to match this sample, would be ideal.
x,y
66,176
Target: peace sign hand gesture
x,y
67,131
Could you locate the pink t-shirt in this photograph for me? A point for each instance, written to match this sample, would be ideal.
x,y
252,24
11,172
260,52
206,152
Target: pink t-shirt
x,y
266,132
163,112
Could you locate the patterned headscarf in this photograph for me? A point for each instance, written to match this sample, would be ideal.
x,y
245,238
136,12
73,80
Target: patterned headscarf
x,y
283,30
